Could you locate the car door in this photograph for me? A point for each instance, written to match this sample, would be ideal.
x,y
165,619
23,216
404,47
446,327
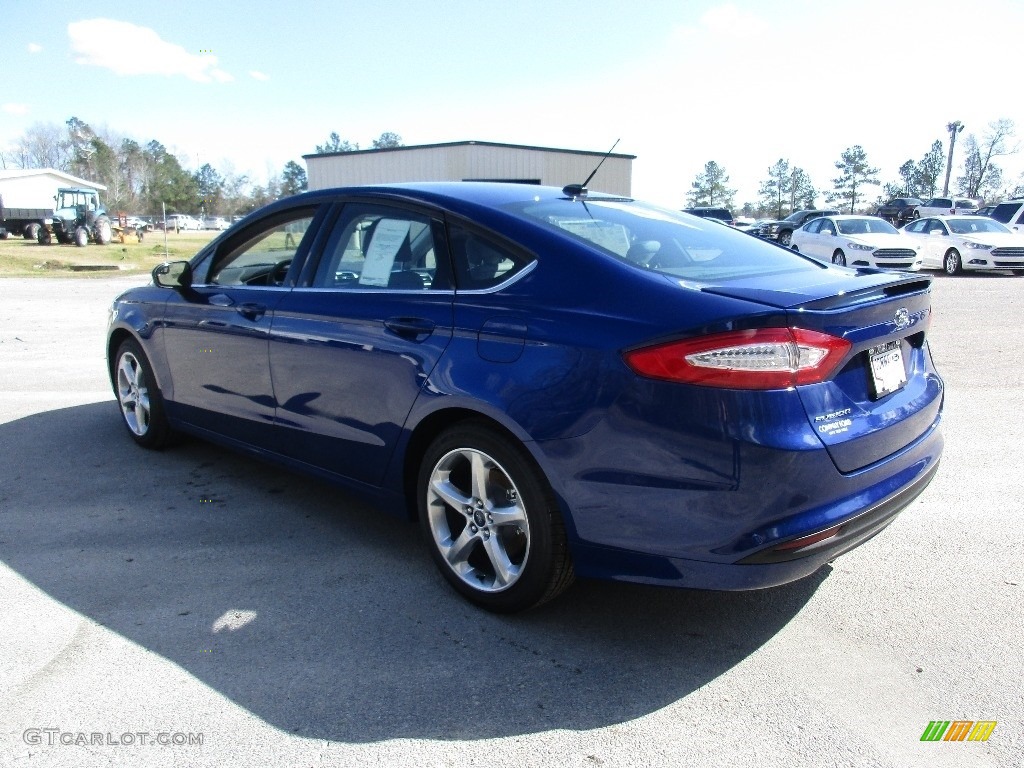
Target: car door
x,y
353,344
818,239
216,333
938,242
917,232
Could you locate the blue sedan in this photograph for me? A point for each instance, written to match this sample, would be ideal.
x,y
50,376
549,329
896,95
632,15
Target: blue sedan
x,y
555,383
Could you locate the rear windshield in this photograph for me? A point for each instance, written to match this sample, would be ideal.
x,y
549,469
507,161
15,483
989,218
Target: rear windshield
x,y
664,241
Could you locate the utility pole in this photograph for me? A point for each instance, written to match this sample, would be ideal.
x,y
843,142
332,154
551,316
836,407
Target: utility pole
x,y
954,128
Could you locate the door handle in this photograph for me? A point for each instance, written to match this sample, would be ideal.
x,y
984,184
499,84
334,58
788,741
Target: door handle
x,y
251,311
220,300
410,327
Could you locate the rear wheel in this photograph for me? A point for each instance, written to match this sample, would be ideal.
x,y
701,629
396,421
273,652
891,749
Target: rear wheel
x,y
142,406
952,265
491,521
81,237
31,231
44,237
839,258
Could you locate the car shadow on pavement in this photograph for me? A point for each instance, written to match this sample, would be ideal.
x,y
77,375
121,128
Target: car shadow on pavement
x,y
325,617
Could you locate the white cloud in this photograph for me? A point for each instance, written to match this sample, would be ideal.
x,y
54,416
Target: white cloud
x,y
34,48
258,76
127,49
15,109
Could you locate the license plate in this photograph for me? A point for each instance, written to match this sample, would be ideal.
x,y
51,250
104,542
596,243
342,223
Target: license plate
x,y
887,370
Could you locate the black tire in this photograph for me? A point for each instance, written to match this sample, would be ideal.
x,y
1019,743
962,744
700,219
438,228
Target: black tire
x,y
491,560
31,231
839,258
785,237
4,235
101,231
138,397
81,237
44,237
951,263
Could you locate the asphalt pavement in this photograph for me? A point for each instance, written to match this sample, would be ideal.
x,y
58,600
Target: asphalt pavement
x,y
198,607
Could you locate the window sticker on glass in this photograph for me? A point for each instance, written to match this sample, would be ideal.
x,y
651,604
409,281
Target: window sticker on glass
x,y
388,237
604,233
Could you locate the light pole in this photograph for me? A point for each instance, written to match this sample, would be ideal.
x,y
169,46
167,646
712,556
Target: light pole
x,y
954,128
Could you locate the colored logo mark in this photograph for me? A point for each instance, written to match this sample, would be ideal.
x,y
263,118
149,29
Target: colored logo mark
x,y
958,730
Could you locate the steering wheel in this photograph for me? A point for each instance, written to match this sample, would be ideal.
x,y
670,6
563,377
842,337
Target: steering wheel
x,y
279,272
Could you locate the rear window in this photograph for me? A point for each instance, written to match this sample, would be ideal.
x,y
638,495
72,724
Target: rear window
x,y
1005,211
664,241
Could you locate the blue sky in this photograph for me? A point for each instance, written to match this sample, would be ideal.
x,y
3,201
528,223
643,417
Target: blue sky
x,y
249,86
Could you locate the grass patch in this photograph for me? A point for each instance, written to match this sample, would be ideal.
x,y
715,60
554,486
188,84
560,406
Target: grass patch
x,y
26,258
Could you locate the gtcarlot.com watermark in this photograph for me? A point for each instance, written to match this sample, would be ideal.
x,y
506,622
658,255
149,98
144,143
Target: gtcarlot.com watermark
x,y
51,737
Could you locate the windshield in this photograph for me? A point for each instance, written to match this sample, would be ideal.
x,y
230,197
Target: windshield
x,y
865,226
970,225
664,241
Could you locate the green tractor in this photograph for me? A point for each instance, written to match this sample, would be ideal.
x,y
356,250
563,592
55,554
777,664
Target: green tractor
x,y
78,218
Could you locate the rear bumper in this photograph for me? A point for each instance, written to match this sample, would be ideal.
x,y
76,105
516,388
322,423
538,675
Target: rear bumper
x,y
741,516
762,570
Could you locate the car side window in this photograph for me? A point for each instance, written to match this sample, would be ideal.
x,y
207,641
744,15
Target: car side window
x,y
263,255
917,226
827,227
813,226
482,262
937,226
377,247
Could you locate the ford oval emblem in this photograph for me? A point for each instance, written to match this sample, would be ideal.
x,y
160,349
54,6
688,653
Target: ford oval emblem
x,y
901,318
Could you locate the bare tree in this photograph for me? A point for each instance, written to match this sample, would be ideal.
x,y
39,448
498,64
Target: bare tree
x,y
981,176
43,145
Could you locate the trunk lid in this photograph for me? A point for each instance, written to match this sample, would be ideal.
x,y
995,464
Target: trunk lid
x,y
864,412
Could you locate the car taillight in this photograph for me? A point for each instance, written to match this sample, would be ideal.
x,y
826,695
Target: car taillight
x,y
760,358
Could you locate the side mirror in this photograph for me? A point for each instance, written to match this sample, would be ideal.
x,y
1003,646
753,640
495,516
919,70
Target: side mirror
x,y
173,274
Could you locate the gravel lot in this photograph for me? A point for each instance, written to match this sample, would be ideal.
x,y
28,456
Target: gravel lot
x,y
196,595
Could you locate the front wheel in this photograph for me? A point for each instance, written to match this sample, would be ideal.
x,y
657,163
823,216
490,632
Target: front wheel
x,y
952,265
491,521
785,237
81,237
142,406
839,258
101,231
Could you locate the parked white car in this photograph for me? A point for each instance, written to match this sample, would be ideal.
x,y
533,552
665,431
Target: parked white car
x,y
182,221
956,243
215,222
856,241
1010,213
946,206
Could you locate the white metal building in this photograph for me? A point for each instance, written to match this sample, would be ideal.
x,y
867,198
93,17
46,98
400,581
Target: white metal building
x,y
471,161
36,187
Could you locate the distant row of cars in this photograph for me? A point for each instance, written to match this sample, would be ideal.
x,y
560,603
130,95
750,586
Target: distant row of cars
x,y
184,221
945,234
181,221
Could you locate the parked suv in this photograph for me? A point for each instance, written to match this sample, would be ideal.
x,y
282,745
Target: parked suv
x,y
709,212
783,230
1010,213
946,206
899,210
